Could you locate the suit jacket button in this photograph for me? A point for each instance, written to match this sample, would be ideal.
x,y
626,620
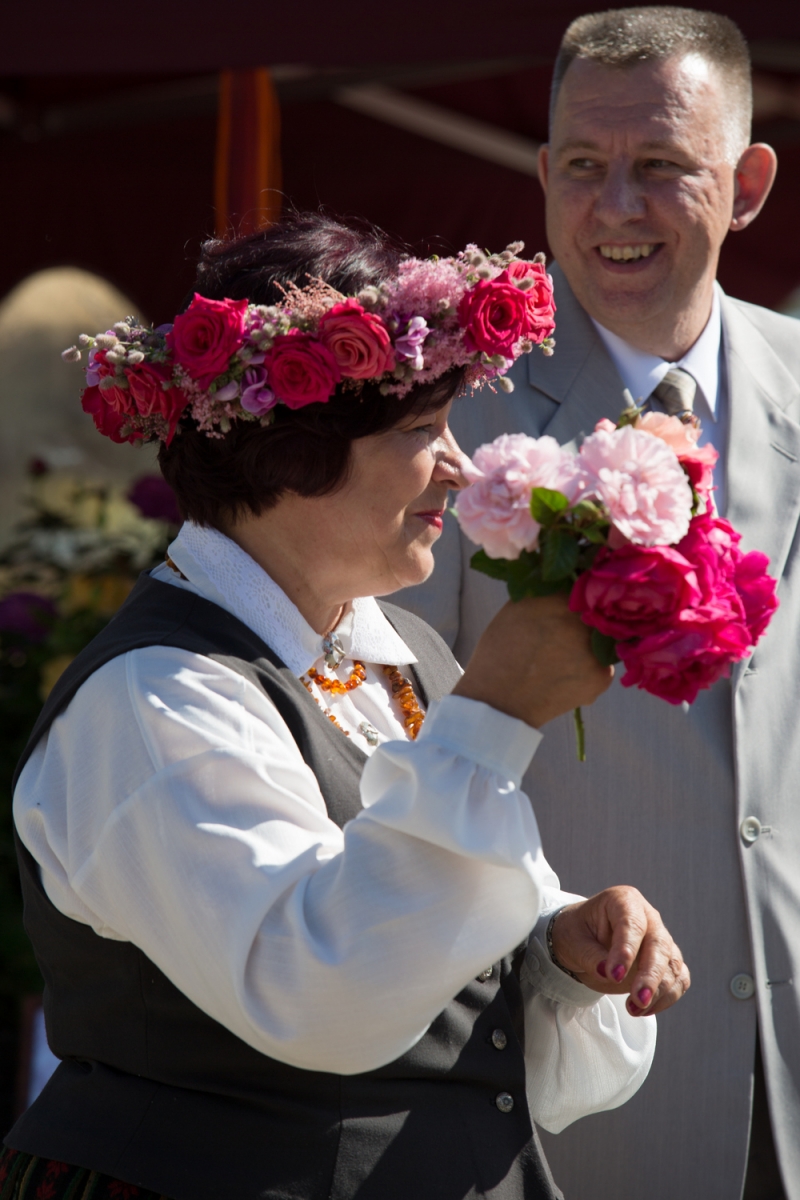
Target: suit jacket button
x,y
750,829
504,1102
743,986
484,975
499,1039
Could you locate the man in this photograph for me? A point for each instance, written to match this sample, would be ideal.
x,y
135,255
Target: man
x,y
647,169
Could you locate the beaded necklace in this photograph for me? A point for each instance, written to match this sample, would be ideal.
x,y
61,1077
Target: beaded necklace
x,y
402,694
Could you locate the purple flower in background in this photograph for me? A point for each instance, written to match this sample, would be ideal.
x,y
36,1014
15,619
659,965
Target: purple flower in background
x,y
155,499
92,375
257,398
27,614
410,344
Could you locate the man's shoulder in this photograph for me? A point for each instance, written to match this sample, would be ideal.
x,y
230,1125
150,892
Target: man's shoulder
x,y
781,332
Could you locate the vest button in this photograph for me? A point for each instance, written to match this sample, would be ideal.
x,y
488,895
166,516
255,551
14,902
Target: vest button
x,y
504,1102
743,986
484,975
750,829
499,1039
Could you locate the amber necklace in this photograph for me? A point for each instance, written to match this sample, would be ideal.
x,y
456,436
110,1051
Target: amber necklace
x,y
402,694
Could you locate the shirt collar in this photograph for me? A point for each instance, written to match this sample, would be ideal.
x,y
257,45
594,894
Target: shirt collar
x,y
225,574
641,372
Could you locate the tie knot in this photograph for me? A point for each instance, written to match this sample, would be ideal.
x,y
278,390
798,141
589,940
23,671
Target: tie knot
x,y
676,392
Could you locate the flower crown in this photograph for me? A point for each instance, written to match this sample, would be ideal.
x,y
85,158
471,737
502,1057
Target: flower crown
x,y
227,360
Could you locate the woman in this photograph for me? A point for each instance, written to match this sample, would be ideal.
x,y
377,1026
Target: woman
x,y
264,908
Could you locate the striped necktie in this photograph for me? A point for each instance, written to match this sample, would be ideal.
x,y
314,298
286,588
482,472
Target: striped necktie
x,y
676,393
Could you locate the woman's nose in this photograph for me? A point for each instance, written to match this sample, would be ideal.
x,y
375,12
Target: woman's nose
x,y
453,466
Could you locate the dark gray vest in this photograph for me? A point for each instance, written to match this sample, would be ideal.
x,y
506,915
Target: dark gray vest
x,y
153,1091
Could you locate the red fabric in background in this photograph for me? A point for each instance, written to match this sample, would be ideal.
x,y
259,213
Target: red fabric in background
x,y
133,204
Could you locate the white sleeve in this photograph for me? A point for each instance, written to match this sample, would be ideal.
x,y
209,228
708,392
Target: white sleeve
x,y
169,806
584,1052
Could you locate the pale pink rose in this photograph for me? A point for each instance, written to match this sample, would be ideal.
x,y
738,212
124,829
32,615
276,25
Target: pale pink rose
x,y
495,511
697,461
641,483
605,424
357,339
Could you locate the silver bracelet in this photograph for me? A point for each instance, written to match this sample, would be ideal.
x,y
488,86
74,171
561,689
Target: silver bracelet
x,y
551,951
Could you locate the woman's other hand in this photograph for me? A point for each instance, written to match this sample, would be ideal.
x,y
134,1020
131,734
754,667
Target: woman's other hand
x,y
535,662
616,942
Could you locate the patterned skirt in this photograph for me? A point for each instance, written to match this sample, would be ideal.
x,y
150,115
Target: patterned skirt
x,y
26,1177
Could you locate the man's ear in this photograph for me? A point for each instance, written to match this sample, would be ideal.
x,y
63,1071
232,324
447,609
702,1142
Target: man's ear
x,y
543,165
753,178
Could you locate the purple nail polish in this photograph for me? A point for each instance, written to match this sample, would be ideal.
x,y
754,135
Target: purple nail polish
x,y
601,969
645,996
632,1009
619,973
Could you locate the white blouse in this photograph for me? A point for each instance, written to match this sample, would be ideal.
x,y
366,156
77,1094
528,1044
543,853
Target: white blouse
x,y
169,806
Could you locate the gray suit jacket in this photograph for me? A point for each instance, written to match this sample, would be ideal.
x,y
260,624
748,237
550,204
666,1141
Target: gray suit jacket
x,y
660,800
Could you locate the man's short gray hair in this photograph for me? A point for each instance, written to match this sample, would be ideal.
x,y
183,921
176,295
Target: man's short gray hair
x,y
624,37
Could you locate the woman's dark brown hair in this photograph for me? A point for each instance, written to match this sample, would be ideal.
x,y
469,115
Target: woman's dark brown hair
x,y
306,450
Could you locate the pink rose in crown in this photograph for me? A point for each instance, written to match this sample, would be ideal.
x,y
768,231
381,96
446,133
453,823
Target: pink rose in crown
x,y
300,370
495,315
756,591
679,662
109,420
146,387
357,339
635,591
539,297
205,337
640,481
495,510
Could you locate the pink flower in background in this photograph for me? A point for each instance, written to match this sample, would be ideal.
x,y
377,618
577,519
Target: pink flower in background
x,y
257,397
495,511
300,370
756,591
205,337
641,483
357,339
635,591
679,662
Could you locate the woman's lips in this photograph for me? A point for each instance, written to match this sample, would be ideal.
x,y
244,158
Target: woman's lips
x,y
434,517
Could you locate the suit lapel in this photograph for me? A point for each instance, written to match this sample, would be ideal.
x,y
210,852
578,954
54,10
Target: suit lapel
x,y
763,459
580,376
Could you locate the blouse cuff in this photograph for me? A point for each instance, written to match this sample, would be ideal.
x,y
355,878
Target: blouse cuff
x,y
476,731
546,979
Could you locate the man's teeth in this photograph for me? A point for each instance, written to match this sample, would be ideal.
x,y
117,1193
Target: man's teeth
x,y
625,253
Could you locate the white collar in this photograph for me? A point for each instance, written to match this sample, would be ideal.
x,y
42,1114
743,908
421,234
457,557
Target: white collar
x,y
225,574
641,372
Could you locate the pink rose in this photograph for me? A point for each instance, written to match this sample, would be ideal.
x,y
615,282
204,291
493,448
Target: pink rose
x,y
300,370
146,387
756,591
108,419
495,511
357,339
641,483
678,663
205,337
712,547
697,461
635,591
495,315
541,305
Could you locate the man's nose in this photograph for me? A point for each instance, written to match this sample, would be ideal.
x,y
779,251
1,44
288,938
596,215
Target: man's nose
x,y
621,197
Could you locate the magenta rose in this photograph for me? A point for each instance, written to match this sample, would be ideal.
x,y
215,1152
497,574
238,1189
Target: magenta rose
x,y
699,466
107,416
205,337
712,547
495,315
541,305
146,386
357,339
678,663
300,370
756,591
635,591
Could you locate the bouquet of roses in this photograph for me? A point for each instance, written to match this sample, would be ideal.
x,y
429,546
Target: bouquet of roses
x,y
627,526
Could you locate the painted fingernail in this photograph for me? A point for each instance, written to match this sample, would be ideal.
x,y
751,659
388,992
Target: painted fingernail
x,y
645,996
633,1009
619,973
601,969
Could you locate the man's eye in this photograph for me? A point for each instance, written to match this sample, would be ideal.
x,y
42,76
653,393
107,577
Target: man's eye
x,y
583,164
660,164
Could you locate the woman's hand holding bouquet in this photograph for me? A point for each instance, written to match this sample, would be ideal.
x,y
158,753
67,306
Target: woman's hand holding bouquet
x,y
627,527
